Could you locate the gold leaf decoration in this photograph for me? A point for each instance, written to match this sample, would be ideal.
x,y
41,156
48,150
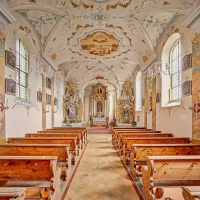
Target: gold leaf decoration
x,y
144,58
166,3
144,41
53,56
119,3
86,6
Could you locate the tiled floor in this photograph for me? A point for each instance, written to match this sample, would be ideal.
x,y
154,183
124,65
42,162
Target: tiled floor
x,y
100,174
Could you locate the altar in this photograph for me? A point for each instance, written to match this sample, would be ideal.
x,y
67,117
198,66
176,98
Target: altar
x,y
99,122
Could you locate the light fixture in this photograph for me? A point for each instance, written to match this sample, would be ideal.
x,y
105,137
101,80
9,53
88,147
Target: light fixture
x,y
41,67
157,69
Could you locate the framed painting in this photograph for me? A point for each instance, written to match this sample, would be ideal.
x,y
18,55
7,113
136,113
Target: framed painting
x,y
48,83
39,96
10,59
10,86
158,97
187,88
48,99
187,62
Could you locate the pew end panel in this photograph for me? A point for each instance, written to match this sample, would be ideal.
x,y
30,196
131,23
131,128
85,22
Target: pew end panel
x,y
32,168
161,171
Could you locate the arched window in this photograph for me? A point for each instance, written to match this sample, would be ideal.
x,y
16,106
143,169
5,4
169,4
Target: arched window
x,y
138,91
171,84
175,66
21,70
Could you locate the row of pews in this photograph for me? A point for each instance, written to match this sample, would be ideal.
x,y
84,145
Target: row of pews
x,y
159,161
39,165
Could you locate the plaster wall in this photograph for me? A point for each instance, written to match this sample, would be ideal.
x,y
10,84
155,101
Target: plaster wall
x,y
24,117
176,119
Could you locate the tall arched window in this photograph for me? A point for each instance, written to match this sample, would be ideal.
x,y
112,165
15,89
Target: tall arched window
x,y
21,70
139,91
175,65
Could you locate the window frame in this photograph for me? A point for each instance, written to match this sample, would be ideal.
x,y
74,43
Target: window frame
x,y
179,71
20,71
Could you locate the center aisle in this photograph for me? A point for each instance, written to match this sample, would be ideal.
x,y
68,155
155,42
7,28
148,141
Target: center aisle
x,y
100,174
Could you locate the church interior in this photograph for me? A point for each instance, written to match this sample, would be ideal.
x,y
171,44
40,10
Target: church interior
x,y
83,82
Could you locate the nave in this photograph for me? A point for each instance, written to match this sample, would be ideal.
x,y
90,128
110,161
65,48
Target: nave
x,y
100,174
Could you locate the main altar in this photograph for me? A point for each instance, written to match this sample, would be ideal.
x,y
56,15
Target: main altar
x,y
98,109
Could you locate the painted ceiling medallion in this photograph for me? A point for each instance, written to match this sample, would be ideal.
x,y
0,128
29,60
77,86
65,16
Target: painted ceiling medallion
x,y
100,43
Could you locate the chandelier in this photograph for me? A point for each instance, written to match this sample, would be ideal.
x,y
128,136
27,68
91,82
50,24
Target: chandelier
x,y
157,70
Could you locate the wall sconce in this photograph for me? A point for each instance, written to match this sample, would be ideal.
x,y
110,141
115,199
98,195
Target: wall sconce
x,y
195,108
3,107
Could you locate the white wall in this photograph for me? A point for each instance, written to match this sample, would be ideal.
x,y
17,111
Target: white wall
x,y
19,119
180,120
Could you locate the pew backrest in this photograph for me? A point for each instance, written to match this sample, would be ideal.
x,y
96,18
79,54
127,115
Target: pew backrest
x,y
141,151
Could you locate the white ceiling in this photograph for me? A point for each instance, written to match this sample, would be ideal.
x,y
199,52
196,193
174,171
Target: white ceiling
x,y
137,25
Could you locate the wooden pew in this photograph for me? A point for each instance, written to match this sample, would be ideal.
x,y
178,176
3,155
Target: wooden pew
x,y
168,171
114,129
12,193
127,147
141,151
64,159
127,129
83,133
191,193
115,137
51,140
31,171
123,136
78,135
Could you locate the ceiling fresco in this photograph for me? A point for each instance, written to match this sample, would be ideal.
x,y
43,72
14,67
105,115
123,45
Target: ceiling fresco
x,y
100,43
42,21
107,38
154,25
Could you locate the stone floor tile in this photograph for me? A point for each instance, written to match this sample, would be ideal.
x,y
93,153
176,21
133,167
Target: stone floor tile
x,y
100,174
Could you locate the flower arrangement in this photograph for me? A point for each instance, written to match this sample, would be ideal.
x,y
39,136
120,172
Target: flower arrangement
x,y
134,123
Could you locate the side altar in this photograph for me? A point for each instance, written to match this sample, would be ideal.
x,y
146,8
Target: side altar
x,y
72,105
126,105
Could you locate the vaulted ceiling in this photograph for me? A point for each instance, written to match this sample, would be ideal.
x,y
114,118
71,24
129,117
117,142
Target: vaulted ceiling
x,y
106,38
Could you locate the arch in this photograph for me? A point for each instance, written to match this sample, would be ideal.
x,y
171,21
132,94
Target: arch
x,y
166,79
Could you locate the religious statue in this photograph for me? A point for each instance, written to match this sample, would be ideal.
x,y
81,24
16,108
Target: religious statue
x,y
71,111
